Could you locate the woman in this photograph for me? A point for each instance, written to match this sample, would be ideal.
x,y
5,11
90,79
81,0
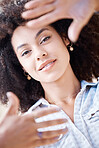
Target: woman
x,y
55,70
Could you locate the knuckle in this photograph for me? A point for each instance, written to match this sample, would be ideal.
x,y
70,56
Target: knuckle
x,y
48,8
46,134
81,17
49,123
58,13
36,3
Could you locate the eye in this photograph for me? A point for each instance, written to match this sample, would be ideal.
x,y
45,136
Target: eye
x,y
45,39
25,52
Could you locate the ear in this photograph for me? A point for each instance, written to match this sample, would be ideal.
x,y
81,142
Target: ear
x,y
66,41
24,69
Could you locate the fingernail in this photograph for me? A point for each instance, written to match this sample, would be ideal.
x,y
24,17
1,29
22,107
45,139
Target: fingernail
x,y
8,94
23,14
26,6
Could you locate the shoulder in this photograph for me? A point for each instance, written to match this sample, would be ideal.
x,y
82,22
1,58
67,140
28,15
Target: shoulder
x,y
90,111
90,96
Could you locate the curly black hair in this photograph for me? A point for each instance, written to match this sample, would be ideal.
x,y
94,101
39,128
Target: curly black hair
x,y
84,59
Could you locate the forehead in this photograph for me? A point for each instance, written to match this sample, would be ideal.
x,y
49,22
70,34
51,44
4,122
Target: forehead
x,y
21,32
24,34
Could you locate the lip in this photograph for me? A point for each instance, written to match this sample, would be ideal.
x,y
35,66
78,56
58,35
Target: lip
x,y
43,65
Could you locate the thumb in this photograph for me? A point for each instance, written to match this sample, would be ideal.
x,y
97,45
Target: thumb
x,y
13,104
77,25
75,29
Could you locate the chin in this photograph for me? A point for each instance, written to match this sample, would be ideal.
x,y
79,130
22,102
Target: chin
x,y
52,77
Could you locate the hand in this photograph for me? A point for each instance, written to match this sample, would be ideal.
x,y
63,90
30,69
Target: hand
x,y
44,12
21,131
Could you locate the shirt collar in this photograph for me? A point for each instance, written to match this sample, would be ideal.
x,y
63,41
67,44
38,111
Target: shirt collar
x,y
84,83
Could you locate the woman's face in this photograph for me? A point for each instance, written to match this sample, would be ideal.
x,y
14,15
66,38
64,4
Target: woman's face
x,y
41,52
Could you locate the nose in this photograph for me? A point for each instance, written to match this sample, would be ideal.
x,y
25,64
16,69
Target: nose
x,y
40,54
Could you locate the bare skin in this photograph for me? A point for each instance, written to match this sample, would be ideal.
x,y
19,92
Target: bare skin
x,y
44,12
21,131
57,77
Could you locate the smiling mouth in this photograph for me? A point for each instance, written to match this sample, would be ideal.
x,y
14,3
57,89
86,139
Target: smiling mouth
x,y
48,65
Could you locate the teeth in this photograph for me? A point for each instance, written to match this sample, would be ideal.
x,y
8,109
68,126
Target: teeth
x,y
48,64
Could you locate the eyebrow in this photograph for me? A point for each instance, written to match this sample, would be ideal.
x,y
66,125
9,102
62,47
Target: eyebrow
x,y
22,45
43,29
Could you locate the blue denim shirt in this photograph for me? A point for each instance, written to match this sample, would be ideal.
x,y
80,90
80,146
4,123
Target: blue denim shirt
x,y
84,132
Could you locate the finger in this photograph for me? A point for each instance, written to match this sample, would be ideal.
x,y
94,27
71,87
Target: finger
x,y
44,111
52,134
50,123
43,20
40,113
45,141
76,27
34,13
37,3
13,104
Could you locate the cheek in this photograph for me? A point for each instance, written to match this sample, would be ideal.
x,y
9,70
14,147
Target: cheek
x,y
63,53
67,55
28,65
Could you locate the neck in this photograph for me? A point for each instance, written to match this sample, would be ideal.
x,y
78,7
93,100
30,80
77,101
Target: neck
x,y
64,89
